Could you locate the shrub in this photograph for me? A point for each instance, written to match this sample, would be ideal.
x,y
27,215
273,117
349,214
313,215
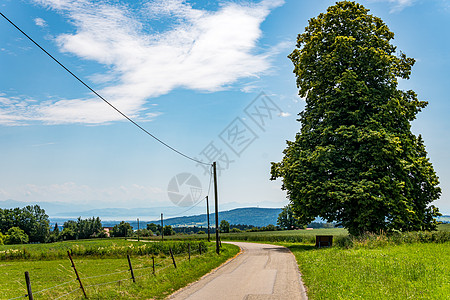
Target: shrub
x,y
123,229
2,238
371,240
16,236
168,230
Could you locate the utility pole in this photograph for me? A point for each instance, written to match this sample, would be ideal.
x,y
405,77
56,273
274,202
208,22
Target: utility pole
x,y
138,228
207,214
217,208
162,227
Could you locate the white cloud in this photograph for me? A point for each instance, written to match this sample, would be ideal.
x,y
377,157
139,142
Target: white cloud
x,y
199,50
284,114
397,5
40,22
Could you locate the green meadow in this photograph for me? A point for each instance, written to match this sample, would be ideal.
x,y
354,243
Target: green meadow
x,y
104,277
387,266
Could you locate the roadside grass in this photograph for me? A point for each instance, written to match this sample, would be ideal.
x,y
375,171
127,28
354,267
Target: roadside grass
x,y
407,271
117,283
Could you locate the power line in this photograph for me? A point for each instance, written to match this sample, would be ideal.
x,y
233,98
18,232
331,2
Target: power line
x,y
98,95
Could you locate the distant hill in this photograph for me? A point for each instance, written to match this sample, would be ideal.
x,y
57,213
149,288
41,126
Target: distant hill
x,y
247,216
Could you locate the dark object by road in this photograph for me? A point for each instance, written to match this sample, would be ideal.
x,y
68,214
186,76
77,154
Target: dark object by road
x,y
324,241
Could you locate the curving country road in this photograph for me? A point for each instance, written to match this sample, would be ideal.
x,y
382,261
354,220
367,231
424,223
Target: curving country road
x,y
261,271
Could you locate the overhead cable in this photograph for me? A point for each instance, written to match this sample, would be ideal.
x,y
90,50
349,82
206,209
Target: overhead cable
x,y
98,95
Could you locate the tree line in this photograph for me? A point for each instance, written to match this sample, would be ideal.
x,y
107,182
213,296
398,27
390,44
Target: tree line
x,y
31,224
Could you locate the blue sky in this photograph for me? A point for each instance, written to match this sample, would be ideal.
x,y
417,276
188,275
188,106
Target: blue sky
x,y
191,73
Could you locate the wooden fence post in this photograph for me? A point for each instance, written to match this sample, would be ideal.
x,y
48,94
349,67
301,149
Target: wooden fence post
x,y
173,259
76,273
153,260
189,250
131,268
27,280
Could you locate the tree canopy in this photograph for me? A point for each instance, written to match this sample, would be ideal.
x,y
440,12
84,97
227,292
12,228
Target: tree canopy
x,y
224,226
31,219
123,229
355,160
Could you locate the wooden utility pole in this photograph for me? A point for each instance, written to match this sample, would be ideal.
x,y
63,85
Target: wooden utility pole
x,y
207,214
138,228
217,208
162,227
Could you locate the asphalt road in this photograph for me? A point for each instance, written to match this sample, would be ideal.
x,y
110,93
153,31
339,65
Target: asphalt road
x,y
261,271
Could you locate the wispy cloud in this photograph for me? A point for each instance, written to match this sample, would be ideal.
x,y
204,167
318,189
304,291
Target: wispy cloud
x,y
40,22
71,192
284,114
397,5
200,50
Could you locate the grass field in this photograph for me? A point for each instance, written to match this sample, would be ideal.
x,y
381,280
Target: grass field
x,y
107,248
408,271
444,227
402,266
399,266
297,236
109,278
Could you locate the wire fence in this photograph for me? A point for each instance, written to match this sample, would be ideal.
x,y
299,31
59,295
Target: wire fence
x,y
158,265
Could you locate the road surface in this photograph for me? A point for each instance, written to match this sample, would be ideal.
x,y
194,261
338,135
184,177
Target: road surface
x,y
261,271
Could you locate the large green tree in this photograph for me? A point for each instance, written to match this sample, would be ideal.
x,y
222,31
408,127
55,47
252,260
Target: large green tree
x,y
355,160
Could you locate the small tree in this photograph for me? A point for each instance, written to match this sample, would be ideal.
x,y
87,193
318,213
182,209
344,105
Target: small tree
x,y
56,229
16,235
287,219
154,227
70,230
224,226
144,232
269,227
168,230
54,235
68,234
123,229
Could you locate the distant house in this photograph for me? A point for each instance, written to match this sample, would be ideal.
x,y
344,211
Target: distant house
x,y
107,230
